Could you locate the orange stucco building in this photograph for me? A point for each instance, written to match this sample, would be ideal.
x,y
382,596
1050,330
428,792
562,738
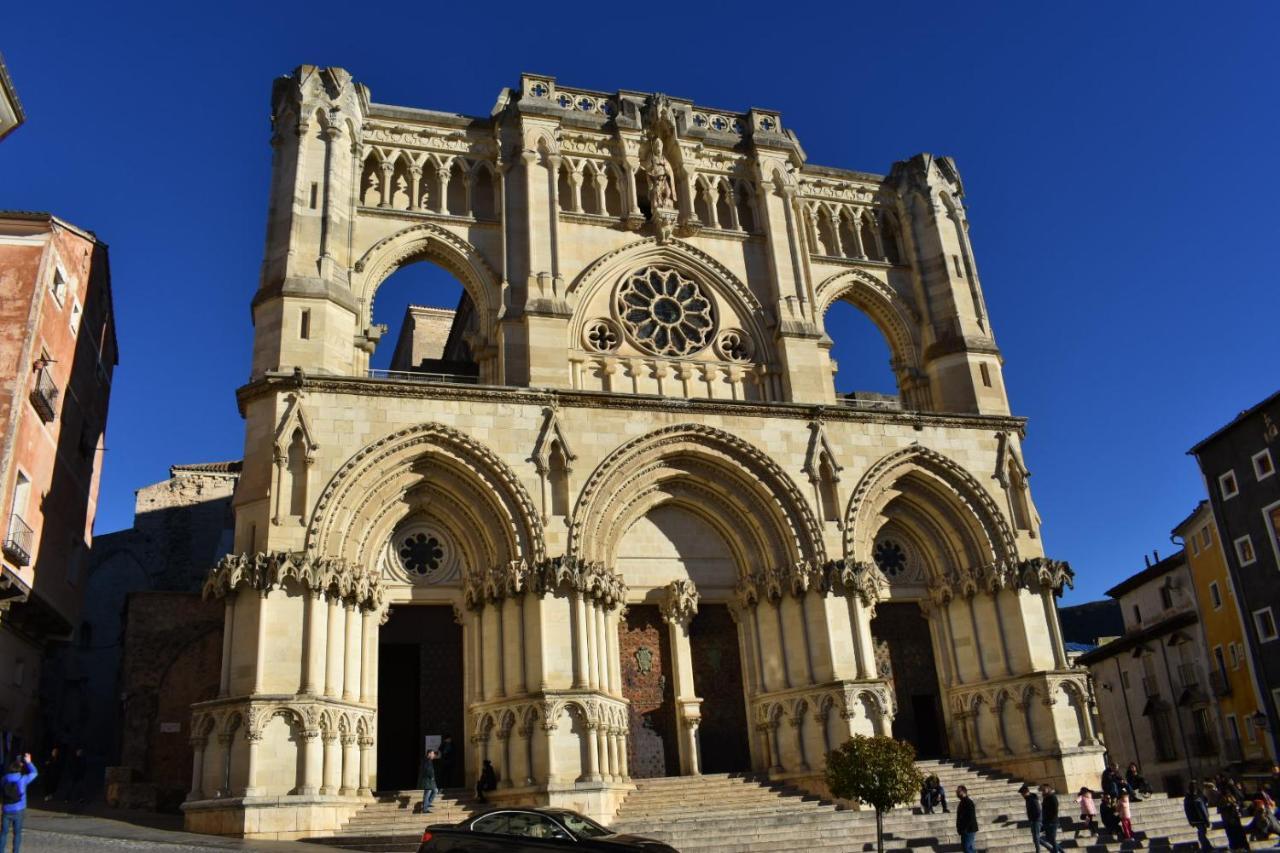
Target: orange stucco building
x,y
57,355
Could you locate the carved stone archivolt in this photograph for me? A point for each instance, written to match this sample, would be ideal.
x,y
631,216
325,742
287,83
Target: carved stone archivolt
x,y
266,571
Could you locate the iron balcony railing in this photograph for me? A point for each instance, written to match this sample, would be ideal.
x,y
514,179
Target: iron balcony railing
x,y
415,376
44,395
871,400
17,541
1219,682
1189,676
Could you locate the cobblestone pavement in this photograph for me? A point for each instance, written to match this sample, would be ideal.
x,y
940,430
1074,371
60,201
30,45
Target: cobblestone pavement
x,y
35,841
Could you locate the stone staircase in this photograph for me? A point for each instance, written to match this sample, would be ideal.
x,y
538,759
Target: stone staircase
x,y
739,813
392,823
728,813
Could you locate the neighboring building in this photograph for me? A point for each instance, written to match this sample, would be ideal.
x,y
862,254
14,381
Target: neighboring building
x,y
57,356
431,342
11,114
1089,622
642,534
181,526
1230,668
1151,683
1239,466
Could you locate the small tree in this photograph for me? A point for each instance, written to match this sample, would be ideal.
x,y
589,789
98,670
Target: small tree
x,y
879,771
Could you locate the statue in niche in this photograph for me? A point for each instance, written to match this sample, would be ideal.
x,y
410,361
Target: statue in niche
x,y
661,188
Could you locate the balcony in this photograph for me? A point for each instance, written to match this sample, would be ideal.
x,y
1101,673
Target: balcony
x,y
416,376
871,400
44,395
17,541
1220,684
1188,676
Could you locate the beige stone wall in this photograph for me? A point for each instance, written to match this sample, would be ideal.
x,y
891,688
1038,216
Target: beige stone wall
x,y
655,422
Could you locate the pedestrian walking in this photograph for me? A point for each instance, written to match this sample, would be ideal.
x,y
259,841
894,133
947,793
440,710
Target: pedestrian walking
x,y
1088,810
1196,808
1035,817
13,792
966,821
1049,816
1126,816
427,780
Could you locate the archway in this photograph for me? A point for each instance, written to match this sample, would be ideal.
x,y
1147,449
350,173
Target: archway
x,y
430,322
905,654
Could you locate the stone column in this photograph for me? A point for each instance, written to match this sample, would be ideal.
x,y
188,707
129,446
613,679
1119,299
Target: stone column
x,y
312,763
333,650
611,650
332,764
385,196
604,739
593,753
350,767
228,632
260,653
615,772
1055,630
863,644
579,629
225,741
351,655
368,642
366,767
197,769
313,643
254,740
602,648
679,606
623,761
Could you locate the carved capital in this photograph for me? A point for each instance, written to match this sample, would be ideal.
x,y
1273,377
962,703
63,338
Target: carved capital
x,y
679,602
265,571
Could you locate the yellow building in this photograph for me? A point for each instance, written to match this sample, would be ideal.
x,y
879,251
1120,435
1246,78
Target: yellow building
x,y
1230,673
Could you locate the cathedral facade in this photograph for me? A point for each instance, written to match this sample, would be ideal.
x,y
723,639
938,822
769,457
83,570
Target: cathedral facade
x,y
620,523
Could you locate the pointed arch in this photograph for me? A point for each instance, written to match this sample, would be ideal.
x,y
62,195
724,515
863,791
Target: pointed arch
x,y
931,492
431,242
729,483
896,318
431,468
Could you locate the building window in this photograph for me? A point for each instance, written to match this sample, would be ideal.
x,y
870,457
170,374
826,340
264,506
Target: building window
x,y
1137,615
1265,623
1263,467
1195,546
986,374
304,327
1244,550
1235,656
74,320
1166,598
1215,595
1220,660
58,286
1227,484
1205,537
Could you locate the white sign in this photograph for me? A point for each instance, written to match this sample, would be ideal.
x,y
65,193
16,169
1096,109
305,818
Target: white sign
x,y
430,742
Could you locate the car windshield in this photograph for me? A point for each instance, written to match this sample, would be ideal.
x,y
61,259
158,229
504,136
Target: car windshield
x,y
581,826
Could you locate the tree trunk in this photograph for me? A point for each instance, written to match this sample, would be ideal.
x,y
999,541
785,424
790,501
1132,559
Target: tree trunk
x,y
879,831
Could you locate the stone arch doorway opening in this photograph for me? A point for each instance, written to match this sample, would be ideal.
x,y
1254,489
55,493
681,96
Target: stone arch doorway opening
x,y
904,656
723,743
420,694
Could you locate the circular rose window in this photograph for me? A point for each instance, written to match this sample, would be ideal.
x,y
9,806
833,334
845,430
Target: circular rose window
x,y
421,553
665,313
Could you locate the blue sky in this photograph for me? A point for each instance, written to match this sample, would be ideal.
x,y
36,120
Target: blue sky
x,y
1117,159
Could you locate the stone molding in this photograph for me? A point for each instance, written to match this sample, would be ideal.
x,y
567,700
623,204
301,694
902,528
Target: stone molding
x,y
843,577
267,570
768,710
360,386
1037,574
522,715
318,716
546,577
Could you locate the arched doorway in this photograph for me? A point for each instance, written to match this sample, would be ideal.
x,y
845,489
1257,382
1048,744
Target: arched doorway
x,y
904,654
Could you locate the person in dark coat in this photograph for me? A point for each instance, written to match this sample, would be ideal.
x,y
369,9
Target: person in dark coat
x,y
1035,817
1196,808
488,781
1137,782
966,821
427,780
1229,811
1049,817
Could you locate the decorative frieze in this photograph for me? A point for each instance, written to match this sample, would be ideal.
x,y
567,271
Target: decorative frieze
x,y
842,577
1038,574
591,580
268,570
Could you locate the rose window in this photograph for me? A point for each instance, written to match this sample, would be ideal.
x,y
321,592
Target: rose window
x,y
665,313
602,336
890,557
734,345
421,554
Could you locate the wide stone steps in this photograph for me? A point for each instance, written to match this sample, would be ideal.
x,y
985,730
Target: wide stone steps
x,y
742,813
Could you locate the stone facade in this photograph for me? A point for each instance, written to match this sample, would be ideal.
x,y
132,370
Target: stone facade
x,y
654,432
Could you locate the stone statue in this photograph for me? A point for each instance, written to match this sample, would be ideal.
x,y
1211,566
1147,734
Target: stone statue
x,y
661,189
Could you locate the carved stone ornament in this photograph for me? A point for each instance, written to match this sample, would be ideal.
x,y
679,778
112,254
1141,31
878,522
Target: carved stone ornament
x,y
567,574
265,571
644,659
1038,574
837,577
680,602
